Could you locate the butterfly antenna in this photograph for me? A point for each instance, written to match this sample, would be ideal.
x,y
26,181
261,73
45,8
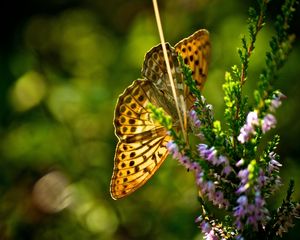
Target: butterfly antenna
x,y
162,40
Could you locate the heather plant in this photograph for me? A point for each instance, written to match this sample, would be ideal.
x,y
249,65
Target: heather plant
x,y
235,170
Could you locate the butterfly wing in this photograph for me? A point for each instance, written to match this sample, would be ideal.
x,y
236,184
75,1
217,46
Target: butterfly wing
x,y
195,51
142,141
155,70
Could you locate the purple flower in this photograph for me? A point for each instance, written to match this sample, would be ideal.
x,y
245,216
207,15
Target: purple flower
x,y
272,169
242,200
243,175
201,148
276,101
220,200
260,213
223,160
249,128
226,170
239,237
205,227
173,148
274,165
250,212
209,154
200,179
268,122
259,201
240,210
208,188
212,156
187,163
195,166
199,219
245,133
252,118
184,160
195,119
240,163
261,178
211,236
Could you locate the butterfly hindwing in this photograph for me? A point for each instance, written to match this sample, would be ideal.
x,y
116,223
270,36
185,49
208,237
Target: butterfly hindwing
x,y
142,141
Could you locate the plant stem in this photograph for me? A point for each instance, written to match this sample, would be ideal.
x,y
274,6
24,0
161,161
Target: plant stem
x,y
244,67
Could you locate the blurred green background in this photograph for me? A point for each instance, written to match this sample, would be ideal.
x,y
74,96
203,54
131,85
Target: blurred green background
x,y
62,66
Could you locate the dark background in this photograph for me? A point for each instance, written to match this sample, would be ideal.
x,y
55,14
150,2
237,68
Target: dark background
x,y
62,66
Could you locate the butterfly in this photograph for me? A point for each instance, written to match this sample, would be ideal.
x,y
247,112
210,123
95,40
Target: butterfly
x,y
142,141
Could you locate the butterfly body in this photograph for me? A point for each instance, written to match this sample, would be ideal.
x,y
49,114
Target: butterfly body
x,y
142,141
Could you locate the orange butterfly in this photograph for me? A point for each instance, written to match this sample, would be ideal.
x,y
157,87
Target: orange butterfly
x,y
142,141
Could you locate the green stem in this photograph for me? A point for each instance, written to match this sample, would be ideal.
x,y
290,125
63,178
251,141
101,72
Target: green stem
x,y
244,67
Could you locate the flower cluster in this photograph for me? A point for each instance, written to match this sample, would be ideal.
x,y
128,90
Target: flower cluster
x,y
210,155
256,182
207,187
233,170
250,213
183,159
206,228
276,101
274,165
273,180
251,205
214,230
194,118
249,128
269,121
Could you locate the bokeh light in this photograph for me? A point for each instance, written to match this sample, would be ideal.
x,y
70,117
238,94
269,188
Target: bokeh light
x,y
28,91
52,193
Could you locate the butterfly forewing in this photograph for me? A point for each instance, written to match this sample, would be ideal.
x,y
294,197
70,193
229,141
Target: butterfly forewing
x,y
142,141
195,51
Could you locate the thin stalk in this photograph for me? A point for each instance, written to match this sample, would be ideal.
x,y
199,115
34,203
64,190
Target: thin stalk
x,y
162,40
